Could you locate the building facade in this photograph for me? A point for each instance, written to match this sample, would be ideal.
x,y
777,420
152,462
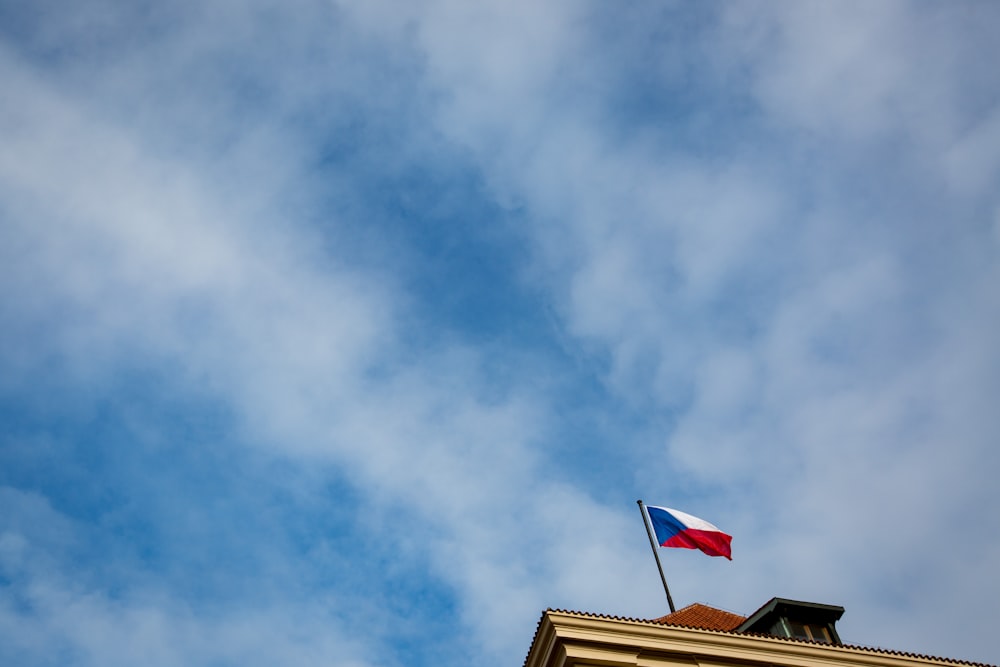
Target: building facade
x,y
783,633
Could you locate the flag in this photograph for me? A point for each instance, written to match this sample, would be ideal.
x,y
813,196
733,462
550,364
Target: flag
x,y
677,529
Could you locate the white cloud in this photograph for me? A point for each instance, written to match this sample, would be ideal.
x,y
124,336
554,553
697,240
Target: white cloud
x,y
137,253
826,397
799,309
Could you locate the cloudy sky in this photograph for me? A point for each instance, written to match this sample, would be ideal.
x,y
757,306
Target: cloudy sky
x,y
350,333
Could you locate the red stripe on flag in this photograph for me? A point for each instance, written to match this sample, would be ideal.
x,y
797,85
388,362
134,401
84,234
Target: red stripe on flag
x,y
709,542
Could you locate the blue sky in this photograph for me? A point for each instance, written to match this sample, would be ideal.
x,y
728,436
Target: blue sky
x,y
350,333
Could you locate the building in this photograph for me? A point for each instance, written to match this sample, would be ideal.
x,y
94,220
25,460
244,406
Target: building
x,y
782,633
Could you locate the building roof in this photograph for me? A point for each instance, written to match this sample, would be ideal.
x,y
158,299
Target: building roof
x,y
702,616
866,656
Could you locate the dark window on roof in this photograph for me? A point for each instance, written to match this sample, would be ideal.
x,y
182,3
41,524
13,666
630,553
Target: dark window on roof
x,y
811,631
800,620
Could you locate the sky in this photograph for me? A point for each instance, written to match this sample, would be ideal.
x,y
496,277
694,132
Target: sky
x,y
350,333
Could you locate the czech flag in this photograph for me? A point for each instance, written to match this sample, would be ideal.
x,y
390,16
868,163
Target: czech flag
x,y
677,529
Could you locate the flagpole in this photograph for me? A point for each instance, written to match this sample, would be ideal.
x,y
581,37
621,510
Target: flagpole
x,y
656,555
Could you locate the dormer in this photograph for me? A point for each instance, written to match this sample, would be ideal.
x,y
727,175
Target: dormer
x,y
798,620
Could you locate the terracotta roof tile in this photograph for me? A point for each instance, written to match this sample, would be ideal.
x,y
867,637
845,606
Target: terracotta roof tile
x,y
702,616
